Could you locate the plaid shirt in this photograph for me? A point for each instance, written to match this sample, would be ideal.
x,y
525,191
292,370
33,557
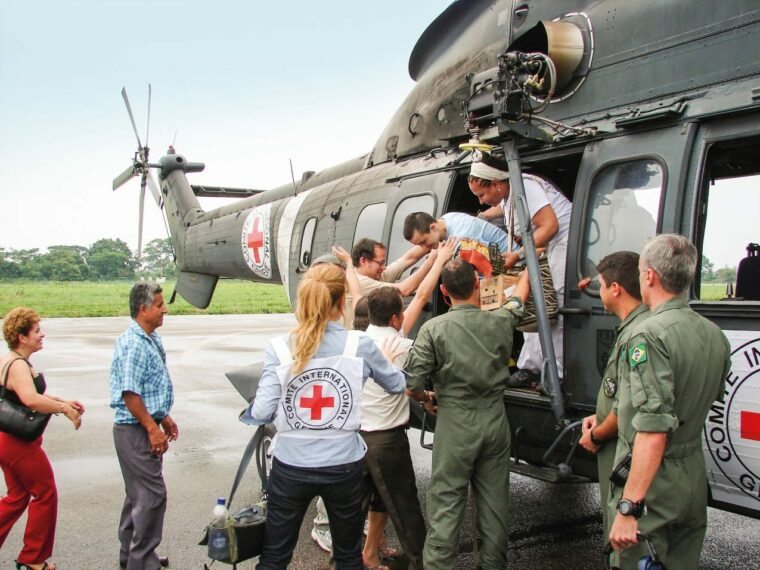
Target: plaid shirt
x,y
139,366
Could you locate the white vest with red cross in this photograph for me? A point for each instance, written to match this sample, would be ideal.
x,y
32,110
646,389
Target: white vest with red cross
x,y
323,399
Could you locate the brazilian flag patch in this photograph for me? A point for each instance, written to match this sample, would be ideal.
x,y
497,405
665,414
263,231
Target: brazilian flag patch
x,y
638,354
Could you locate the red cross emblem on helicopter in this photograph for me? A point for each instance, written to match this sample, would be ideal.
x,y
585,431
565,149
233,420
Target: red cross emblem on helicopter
x,y
256,243
732,431
750,425
256,240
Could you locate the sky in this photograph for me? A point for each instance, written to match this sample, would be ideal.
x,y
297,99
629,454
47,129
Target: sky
x,y
244,86
241,86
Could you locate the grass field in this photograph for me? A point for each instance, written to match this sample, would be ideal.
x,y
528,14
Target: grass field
x,y
110,299
712,291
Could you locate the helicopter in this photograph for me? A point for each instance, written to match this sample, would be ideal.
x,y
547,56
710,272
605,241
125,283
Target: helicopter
x,y
646,115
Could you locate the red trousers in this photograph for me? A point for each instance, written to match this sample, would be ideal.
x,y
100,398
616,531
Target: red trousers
x,y
28,476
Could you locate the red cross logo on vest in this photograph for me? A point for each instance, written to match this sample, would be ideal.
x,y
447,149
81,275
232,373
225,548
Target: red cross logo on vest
x,y
256,239
317,402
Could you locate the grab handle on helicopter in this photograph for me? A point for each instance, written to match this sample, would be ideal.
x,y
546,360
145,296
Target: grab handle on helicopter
x,y
423,429
563,468
575,311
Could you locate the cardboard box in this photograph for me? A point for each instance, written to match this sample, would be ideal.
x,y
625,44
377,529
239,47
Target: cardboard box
x,y
492,291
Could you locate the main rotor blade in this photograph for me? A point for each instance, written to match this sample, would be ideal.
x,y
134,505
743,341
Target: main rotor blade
x,y
142,211
124,177
154,189
147,128
131,117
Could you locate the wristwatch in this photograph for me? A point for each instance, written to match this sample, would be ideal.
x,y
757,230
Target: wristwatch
x,y
595,440
629,508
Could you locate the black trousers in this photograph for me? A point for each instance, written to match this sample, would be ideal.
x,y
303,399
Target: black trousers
x,y
290,489
389,463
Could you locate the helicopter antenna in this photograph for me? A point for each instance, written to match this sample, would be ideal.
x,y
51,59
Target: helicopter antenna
x,y
292,176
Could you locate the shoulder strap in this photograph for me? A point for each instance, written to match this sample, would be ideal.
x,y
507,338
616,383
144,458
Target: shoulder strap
x,y
352,343
246,460
282,350
7,371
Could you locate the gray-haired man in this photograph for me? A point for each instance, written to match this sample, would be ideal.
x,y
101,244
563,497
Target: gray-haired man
x,y
141,392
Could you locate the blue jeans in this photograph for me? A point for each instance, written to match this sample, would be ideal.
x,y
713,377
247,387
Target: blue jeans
x,y
290,489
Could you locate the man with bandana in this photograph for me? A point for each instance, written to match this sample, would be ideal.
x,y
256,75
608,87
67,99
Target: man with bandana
x,y
550,220
620,294
678,362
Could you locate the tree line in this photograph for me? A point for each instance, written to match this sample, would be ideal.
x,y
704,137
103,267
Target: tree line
x,y
712,275
109,259
106,259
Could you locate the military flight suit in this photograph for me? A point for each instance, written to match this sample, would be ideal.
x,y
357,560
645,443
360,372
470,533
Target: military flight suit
x,y
464,353
678,365
607,399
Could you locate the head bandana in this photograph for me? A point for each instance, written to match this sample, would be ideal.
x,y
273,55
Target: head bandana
x,y
482,170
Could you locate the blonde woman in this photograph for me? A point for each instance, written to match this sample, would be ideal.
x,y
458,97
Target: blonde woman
x,y
28,473
311,389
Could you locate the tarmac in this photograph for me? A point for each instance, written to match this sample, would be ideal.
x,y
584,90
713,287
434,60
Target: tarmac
x,y
553,526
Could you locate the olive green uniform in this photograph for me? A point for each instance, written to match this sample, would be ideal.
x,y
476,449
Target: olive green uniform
x,y
607,400
464,353
678,365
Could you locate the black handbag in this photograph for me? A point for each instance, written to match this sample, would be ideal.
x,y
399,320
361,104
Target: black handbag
x,y
244,532
18,420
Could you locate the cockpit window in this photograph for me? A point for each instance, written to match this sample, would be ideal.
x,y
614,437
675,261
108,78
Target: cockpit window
x,y
623,210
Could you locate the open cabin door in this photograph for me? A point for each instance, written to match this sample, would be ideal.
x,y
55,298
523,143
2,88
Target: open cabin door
x,y
623,187
423,193
722,218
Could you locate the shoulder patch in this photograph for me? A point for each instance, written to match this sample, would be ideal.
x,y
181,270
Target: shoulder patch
x,y
638,354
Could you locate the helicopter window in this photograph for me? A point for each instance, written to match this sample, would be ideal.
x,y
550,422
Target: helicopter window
x,y
623,210
398,245
307,240
730,232
371,222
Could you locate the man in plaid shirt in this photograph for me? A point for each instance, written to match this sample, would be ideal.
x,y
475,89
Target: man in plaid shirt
x,y
141,392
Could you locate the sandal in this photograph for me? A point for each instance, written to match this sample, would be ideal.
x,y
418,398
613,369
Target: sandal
x,y
389,553
45,566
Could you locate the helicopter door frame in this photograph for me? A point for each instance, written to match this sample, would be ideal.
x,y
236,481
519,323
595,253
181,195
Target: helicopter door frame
x,y
434,185
609,162
731,449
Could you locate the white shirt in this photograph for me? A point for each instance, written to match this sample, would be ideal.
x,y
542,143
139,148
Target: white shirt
x,y
540,193
381,410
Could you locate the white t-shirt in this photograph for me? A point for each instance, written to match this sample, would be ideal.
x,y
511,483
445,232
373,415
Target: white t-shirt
x,y
381,410
540,193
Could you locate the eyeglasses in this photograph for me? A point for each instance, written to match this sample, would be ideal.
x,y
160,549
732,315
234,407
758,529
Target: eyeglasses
x,y
380,262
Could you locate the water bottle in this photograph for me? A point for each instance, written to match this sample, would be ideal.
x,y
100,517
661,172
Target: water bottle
x,y
218,537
